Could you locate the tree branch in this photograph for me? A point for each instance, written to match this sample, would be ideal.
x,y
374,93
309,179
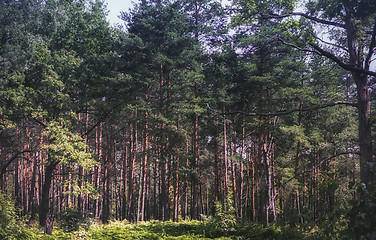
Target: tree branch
x,y
315,19
96,124
103,117
297,47
328,43
14,157
284,112
331,56
274,15
372,46
342,64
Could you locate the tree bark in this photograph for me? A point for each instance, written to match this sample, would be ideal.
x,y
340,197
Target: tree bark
x,y
131,172
364,129
145,167
45,201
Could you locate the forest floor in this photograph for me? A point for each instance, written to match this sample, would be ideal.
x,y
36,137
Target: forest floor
x,y
170,230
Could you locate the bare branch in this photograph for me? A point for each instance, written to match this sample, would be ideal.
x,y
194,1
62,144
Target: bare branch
x,y
372,46
328,43
315,19
297,47
320,51
274,15
341,63
284,112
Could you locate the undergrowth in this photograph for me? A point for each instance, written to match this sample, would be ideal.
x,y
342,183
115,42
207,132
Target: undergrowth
x,y
208,229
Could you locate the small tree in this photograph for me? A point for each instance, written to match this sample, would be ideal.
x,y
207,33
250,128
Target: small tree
x,y
64,147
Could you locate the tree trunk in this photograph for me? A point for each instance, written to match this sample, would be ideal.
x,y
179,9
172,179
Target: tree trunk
x,y
217,166
365,134
124,178
45,201
145,167
176,183
195,162
225,187
131,172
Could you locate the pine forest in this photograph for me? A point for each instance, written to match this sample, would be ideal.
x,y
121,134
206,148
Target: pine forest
x,y
193,119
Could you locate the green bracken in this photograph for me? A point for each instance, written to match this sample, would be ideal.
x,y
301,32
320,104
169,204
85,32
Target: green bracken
x,y
207,229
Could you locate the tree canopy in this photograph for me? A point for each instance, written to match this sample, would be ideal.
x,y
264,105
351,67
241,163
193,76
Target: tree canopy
x,y
258,111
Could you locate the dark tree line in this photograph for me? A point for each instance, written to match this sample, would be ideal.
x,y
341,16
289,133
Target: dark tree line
x,y
178,116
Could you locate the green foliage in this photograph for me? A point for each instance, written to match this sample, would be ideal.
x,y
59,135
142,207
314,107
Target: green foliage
x,y
225,215
171,230
362,215
352,219
66,147
61,58
11,225
72,219
333,224
252,8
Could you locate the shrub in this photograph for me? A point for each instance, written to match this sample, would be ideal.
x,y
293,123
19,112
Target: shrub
x,y
11,226
362,215
72,219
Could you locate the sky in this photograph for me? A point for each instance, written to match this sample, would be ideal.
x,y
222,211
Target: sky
x,y
115,7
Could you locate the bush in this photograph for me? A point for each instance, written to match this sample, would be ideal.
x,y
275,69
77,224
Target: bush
x,y
11,226
362,215
355,219
72,219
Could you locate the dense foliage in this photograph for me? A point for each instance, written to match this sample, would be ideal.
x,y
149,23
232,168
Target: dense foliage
x,y
255,118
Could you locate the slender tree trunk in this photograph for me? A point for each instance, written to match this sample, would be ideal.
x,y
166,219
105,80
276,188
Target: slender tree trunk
x,y
164,197
233,172
99,169
145,167
226,178
107,181
16,180
124,178
33,185
271,209
176,191
16,183
176,183
131,172
241,177
156,188
164,191
184,205
263,191
195,163
217,166
253,186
